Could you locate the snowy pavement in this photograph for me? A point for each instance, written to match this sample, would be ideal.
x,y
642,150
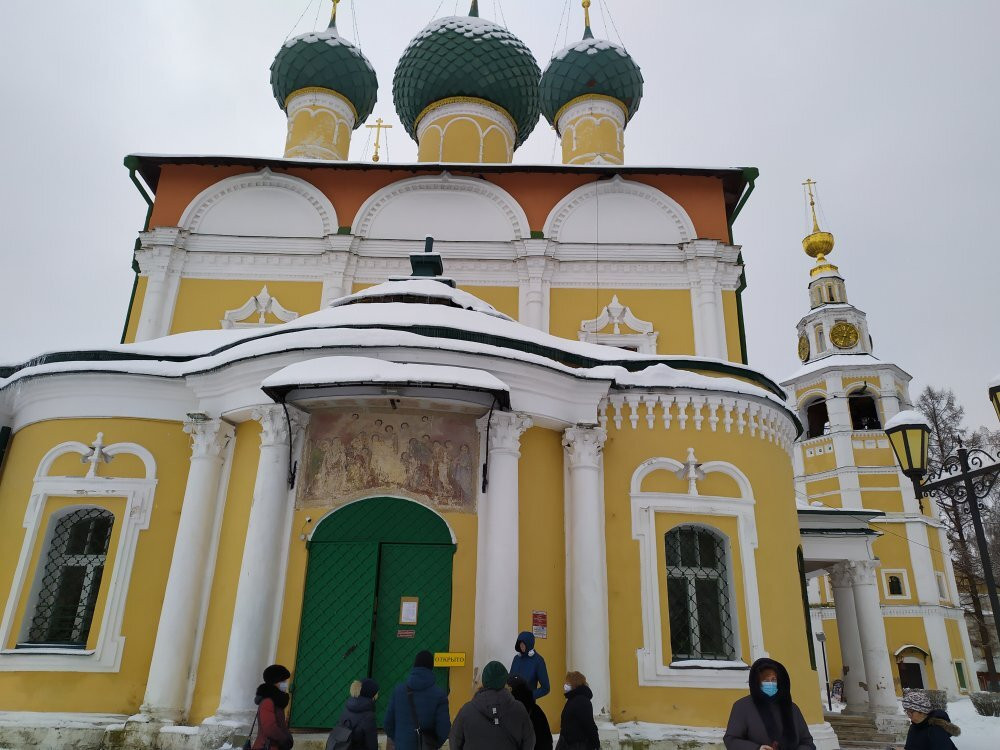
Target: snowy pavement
x,y
978,732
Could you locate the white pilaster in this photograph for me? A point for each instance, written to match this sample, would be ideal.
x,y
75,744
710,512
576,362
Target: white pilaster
x,y
177,632
871,628
704,271
534,281
497,559
160,260
853,663
257,595
586,563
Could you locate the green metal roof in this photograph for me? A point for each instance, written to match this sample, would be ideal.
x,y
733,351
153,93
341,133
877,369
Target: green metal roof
x,y
467,56
325,60
590,66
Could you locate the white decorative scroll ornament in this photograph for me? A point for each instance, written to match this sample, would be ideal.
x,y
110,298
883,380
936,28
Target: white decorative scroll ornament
x,y
692,472
641,339
260,305
584,445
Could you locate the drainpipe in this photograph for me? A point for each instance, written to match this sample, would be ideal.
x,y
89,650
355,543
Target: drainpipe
x,y
750,174
132,163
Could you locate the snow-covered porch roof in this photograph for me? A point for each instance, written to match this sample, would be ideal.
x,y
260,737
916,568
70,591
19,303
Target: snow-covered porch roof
x,y
833,535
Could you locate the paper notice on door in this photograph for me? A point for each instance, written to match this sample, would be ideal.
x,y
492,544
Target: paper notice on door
x,y
408,606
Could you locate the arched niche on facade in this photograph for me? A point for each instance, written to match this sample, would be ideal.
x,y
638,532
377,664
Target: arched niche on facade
x,y
261,204
445,207
864,410
817,417
618,211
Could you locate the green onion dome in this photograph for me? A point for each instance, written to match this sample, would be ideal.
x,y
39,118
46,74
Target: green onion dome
x,y
325,60
467,56
590,66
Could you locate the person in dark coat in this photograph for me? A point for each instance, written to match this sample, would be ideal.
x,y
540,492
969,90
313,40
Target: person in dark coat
x,y
539,722
767,719
930,729
359,714
578,730
493,719
272,700
431,704
530,665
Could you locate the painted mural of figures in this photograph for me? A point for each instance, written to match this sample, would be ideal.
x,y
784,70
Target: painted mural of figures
x,y
325,469
440,454
386,460
419,463
463,473
359,462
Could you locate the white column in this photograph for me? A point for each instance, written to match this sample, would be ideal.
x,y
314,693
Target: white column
x,y
160,262
704,270
497,558
257,595
588,646
855,695
871,627
534,280
184,598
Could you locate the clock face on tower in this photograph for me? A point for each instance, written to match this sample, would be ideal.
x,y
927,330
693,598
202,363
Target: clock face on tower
x,y
844,335
803,348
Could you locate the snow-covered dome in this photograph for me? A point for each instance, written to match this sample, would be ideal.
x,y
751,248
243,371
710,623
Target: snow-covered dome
x,y
467,56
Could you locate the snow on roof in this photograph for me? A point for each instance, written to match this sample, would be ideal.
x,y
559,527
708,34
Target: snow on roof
x,y
908,417
422,288
342,370
591,47
838,360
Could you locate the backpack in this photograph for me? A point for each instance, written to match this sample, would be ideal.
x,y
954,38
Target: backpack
x,y
343,737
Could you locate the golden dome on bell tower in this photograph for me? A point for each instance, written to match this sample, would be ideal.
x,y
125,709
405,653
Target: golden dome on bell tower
x,y
818,244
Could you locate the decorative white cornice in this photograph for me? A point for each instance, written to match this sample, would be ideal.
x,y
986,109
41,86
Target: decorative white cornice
x,y
584,445
314,98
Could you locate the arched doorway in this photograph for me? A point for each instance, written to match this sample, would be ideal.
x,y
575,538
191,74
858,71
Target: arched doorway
x,y
378,590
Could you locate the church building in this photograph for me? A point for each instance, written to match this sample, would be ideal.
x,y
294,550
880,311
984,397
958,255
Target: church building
x,y
361,410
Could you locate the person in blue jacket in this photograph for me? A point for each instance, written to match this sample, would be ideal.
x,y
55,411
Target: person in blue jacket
x,y
530,665
429,701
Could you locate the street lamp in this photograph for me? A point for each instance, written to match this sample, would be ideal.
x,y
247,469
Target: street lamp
x,y
821,637
995,394
965,478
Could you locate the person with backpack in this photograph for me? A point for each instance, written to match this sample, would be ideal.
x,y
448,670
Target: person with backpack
x,y
577,728
530,665
493,719
356,728
539,722
417,717
272,700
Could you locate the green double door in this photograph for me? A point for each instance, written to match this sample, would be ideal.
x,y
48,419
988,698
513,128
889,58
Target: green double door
x,y
370,604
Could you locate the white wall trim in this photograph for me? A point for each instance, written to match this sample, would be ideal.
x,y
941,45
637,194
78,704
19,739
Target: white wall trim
x,y
652,664
133,518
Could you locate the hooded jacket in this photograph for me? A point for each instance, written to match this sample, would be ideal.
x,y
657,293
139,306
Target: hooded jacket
x,y
271,725
577,726
492,720
933,733
530,666
359,715
432,710
539,722
760,720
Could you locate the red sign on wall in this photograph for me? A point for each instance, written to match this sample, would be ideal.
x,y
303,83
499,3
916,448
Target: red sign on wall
x,y
406,633
540,624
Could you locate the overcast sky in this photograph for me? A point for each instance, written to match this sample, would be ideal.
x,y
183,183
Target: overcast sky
x,y
891,105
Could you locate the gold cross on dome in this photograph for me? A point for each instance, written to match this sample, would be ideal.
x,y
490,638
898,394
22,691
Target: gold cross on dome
x,y
333,16
808,185
378,127
586,12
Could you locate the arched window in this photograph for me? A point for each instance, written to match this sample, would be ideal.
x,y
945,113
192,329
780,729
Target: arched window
x,y
818,418
820,339
698,594
864,412
71,578
895,586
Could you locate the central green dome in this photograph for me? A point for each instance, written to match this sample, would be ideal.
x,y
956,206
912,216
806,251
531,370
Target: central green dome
x,y
591,66
325,60
467,56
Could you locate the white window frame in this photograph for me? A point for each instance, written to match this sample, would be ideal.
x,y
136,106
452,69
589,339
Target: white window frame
x,y
965,673
653,667
616,314
904,579
137,505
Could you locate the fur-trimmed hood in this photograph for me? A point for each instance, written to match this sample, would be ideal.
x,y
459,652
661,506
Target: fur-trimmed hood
x,y
941,719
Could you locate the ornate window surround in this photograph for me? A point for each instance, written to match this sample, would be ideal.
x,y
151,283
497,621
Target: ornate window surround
x,y
136,497
260,304
617,315
904,579
653,669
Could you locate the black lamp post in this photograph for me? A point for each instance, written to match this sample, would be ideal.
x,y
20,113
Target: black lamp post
x,y
966,479
821,637
995,394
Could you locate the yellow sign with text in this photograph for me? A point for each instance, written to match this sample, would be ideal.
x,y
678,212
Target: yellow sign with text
x,y
449,660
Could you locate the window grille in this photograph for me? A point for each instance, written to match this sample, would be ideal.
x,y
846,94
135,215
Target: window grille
x,y
71,579
895,586
698,598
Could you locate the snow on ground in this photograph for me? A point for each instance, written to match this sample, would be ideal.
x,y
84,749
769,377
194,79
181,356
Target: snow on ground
x,y
978,732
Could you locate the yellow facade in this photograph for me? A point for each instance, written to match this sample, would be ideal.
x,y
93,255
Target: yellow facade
x,y
320,123
466,130
202,303
592,129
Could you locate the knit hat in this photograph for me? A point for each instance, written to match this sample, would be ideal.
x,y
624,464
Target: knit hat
x,y
366,688
424,659
575,680
917,701
494,676
275,674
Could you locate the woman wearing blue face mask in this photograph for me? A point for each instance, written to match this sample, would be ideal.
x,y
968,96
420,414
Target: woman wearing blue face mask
x,y
767,719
